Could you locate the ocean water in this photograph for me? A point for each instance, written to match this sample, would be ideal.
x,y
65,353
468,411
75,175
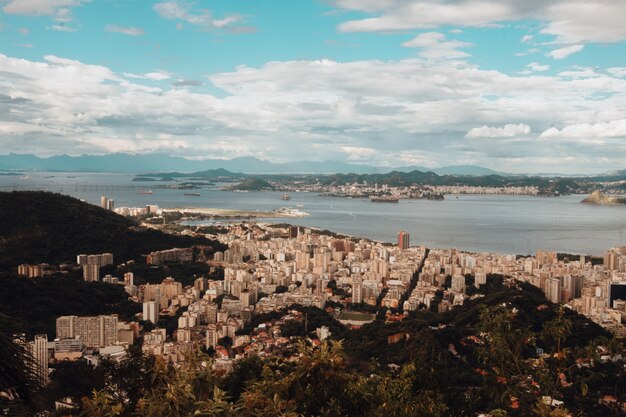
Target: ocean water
x,y
503,224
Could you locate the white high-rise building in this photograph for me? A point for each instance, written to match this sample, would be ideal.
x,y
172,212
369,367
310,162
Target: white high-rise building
x,y
357,291
39,352
151,311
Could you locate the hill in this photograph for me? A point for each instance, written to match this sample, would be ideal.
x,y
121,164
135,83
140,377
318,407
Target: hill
x,y
40,227
547,186
253,184
51,297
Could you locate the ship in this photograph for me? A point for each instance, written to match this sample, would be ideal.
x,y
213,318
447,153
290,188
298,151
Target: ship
x,y
193,194
383,199
146,192
286,197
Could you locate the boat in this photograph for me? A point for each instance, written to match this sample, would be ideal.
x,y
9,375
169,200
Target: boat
x,y
286,197
193,194
383,199
146,192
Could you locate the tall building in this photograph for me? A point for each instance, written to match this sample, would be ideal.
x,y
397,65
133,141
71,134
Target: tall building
x,y
357,291
403,240
104,202
39,352
151,311
212,336
91,273
91,265
553,290
94,331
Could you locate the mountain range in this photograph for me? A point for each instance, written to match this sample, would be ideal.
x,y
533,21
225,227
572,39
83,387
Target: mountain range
x,y
155,162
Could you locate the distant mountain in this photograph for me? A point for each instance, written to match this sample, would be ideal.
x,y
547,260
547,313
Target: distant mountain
x,y
459,170
466,170
161,163
120,162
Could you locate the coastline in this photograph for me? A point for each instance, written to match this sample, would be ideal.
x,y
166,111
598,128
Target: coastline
x,y
221,212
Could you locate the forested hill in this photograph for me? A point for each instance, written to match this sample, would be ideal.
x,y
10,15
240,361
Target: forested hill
x,y
40,226
548,186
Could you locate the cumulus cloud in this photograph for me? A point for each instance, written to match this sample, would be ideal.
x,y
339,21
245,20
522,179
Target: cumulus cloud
x,y
416,109
40,7
570,22
434,45
506,131
59,10
527,38
177,10
564,52
603,130
130,31
534,66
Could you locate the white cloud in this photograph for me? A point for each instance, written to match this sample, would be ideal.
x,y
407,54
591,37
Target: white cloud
x,y
155,75
176,10
569,21
538,67
358,153
580,72
312,110
617,71
62,28
506,131
130,31
526,38
433,45
40,7
158,75
59,10
602,130
564,52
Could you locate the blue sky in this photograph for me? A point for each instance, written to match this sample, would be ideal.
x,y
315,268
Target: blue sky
x,y
530,86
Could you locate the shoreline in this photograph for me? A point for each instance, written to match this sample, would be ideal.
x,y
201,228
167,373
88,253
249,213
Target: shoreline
x,y
218,212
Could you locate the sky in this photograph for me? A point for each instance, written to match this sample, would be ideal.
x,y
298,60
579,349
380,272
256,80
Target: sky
x,y
533,86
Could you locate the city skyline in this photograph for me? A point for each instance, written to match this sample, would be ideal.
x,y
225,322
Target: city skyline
x,y
532,87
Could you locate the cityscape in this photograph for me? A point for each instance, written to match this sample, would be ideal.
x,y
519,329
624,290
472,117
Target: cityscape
x,y
321,208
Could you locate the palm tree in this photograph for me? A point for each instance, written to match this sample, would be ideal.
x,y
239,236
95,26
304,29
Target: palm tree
x,y
17,379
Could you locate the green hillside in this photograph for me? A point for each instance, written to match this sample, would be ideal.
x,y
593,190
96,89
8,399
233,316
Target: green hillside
x,y
40,227
253,184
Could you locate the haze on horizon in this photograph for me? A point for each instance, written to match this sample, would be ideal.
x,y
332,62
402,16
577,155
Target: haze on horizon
x,y
516,86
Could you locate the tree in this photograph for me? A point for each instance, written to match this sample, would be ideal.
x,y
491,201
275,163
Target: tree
x,y
17,379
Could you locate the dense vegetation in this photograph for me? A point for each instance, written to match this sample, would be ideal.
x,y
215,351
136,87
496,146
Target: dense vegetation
x,y
185,273
40,227
253,184
34,304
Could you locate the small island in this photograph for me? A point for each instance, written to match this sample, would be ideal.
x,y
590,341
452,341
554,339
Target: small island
x,y
600,198
252,184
